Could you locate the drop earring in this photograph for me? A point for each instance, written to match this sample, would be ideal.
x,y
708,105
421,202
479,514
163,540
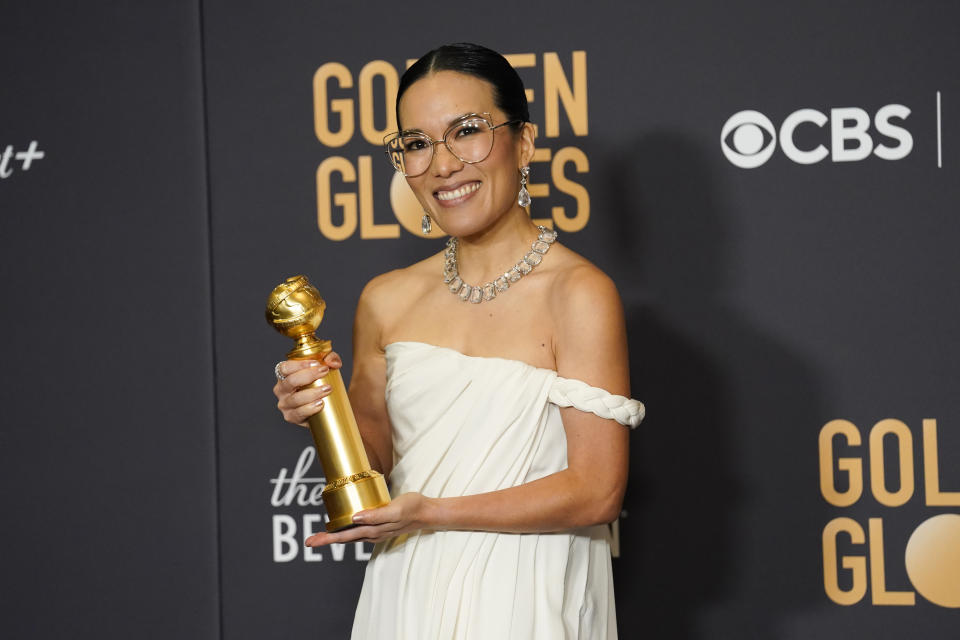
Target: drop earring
x,y
426,224
523,198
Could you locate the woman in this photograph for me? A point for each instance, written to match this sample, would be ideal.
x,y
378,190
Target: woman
x,y
500,496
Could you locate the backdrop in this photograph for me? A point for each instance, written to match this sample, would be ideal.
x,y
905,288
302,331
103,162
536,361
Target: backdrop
x,y
772,186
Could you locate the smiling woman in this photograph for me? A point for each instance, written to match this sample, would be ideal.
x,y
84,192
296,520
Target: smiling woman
x,y
460,164
500,426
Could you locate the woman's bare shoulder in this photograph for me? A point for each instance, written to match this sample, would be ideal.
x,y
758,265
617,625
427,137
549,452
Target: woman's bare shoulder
x,y
589,326
394,289
577,280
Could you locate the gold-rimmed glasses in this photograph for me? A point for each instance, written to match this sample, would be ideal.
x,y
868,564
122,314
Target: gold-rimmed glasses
x,y
469,138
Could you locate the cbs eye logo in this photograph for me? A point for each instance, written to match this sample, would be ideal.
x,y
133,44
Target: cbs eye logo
x,y
748,138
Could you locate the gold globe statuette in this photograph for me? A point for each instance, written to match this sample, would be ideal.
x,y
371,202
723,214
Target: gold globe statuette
x,y
295,309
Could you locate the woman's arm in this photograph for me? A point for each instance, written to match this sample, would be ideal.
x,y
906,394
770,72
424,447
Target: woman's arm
x,y
590,345
368,382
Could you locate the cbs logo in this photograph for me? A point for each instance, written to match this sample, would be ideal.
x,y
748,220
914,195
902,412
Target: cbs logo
x,y
748,138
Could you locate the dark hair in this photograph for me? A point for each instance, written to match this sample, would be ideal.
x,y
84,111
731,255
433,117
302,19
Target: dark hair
x,y
474,60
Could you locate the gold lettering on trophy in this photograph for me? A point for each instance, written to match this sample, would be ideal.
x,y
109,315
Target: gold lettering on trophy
x,y
878,572
901,433
931,470
346,201
857,565
373,135
556,89
853,467
323,106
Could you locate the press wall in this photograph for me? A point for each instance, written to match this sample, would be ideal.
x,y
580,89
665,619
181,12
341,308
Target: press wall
x,y
772,186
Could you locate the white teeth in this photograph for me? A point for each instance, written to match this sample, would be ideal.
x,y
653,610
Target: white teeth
x,y
458,193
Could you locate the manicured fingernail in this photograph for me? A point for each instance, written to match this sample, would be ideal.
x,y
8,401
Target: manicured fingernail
x,y
359,518
313,363
318,403
322,371
326,387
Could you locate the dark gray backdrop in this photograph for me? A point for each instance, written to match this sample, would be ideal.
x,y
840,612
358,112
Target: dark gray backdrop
x,y
179,186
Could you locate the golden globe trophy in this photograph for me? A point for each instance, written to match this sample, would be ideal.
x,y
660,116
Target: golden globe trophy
x,y
295,309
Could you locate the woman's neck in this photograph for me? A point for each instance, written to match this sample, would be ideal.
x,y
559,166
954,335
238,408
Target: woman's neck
x,y
484,256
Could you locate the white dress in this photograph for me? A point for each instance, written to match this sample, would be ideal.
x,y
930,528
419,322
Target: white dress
x,y
464,425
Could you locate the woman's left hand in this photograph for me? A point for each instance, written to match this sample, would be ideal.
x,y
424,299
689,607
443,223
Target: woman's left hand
x,y
405,513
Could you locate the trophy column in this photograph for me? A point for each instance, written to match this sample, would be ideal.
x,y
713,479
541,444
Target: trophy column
x,y
296,309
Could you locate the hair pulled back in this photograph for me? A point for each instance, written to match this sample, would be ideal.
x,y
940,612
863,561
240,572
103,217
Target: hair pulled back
x,y
478,61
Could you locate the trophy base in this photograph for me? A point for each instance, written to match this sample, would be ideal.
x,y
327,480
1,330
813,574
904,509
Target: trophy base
x,y
347,496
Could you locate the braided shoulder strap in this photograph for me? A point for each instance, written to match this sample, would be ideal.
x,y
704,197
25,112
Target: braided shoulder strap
x,y
567,392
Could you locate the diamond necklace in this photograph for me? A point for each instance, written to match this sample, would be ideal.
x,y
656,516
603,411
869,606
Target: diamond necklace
x,y
489,291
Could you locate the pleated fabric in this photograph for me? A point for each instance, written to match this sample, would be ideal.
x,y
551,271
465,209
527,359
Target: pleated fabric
x,y
464,425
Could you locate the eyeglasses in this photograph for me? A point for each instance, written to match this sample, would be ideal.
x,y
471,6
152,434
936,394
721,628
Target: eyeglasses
x,y
470,139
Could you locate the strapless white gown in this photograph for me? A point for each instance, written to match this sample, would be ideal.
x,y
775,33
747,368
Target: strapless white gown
x,y
464,425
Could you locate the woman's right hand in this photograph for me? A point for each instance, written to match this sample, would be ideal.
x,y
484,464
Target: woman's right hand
x,y
297,404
